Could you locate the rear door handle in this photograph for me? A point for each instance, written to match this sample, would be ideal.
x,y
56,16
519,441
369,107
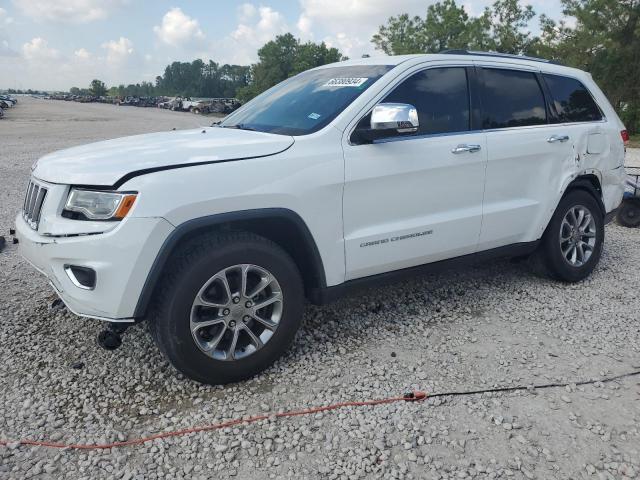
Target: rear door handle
x,y
558,138
466,148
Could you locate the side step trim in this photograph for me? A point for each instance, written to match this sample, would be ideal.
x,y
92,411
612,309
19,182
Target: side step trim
x,y
322,296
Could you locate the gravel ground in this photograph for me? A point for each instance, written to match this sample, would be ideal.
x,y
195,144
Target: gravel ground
x,y
492,325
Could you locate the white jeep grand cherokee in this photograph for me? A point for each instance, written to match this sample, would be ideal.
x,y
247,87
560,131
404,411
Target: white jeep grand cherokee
x,y
338,177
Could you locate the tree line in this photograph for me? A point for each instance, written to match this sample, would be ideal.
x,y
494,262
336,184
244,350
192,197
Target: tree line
x,y
278,59
604,40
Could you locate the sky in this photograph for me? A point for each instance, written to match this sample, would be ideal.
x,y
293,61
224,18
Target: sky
x,y
57,44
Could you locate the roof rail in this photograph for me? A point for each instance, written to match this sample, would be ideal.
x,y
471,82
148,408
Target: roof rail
x,y
499,55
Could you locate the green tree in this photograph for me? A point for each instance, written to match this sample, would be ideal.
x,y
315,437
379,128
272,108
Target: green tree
x,y
509,21
97,88
282,58
200,79
446,26
605,41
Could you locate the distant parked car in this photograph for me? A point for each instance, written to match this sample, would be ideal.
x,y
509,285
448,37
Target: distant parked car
x,y
166,104
1,113
7,102
175,104
9,99
197,107
130,101
224,105
148,101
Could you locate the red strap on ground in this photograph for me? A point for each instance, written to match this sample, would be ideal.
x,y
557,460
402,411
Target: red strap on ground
x,y
409,397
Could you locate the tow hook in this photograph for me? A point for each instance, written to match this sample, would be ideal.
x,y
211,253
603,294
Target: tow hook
x,y
111,337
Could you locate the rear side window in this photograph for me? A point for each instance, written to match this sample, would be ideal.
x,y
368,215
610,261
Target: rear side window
x,y
511,98
441,97
572,100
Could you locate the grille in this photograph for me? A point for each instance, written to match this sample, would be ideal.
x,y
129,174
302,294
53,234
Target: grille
x,y
33,204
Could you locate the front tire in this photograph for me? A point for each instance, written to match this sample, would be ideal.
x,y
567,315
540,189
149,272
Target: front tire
x,y
572,243
228,307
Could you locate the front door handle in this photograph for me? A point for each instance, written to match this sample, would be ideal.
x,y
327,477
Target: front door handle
x,y
558,138
466,148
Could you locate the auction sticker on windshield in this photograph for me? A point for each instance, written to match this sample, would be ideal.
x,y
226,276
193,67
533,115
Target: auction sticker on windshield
x,y
346,82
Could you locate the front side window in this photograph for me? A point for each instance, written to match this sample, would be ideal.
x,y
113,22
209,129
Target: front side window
x,y
572,100
441,97
307,102
511,98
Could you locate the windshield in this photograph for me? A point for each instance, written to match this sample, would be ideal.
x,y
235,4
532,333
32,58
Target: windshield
x,y
307,102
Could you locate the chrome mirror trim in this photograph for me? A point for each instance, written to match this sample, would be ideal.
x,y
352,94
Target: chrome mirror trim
x,y
401,117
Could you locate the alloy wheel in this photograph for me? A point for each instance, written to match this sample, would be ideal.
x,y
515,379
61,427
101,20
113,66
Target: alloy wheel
x,y
236,312
577,235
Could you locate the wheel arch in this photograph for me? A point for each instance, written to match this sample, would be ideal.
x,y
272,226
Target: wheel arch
x,y
589,182
281,225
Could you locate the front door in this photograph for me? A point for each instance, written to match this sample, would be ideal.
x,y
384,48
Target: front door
x,y
410,200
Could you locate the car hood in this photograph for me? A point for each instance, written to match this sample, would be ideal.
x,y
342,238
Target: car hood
x,y
110,162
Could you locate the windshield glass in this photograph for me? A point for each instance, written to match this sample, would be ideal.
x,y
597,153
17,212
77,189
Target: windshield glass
x,y
307,102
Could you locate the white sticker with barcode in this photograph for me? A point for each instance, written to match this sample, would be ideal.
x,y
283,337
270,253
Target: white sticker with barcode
x,y
346,82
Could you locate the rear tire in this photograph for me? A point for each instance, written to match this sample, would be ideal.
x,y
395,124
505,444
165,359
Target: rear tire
x,y
629,213
572,243
225,270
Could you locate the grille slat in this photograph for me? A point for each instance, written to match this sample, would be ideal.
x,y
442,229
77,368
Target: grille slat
x,y
33,202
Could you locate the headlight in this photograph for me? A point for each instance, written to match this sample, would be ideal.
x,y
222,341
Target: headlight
x,y
96,205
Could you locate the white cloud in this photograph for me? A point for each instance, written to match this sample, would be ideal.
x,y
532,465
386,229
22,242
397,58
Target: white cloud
x,y
347,44
38,49
350,24
178,29
5,19
74,11
359,12
257,25
82,54
269,24
246,12
305,27
118,51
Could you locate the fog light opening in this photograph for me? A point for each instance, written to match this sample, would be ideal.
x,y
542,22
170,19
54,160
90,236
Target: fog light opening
x,y
81,277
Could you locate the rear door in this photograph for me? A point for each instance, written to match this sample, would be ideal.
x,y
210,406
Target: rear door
x,y
527,155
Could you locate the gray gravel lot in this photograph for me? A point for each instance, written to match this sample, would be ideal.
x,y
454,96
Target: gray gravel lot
x,y
492,325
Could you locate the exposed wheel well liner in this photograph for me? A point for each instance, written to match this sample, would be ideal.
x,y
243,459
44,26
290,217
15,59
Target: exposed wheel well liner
x,y
280,225
591,184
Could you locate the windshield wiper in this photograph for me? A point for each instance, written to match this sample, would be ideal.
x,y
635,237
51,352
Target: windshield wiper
x,y
241,126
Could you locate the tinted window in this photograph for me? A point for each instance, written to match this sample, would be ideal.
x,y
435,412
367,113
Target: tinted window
x,y
307,102
441,97
511,98
572,100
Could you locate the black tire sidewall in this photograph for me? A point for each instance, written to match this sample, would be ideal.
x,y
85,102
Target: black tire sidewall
x,y
556,263
628,205
174,329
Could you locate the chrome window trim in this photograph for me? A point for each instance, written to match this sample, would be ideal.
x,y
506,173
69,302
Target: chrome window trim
x,y
421,137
